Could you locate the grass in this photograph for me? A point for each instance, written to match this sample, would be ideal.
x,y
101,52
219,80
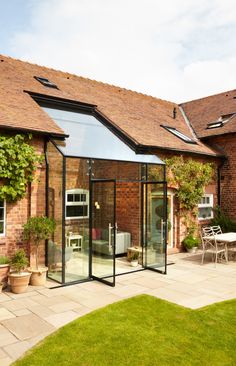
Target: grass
x,y
141,331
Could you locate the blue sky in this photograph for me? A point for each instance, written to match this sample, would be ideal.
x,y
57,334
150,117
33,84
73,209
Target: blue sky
x,y
176,50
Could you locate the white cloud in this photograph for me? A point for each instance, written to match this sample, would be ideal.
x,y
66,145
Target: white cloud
x,y
177,50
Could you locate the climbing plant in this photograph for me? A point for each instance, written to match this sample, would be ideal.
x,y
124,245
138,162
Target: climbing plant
x,y
18,162
189,177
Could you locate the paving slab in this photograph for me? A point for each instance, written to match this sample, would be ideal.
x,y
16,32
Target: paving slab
x,y
19,304
58,320
6,337
63,306
16,350
27,326
5,314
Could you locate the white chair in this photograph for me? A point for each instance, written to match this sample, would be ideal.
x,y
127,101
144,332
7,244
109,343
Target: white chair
x,y
216,229
210,245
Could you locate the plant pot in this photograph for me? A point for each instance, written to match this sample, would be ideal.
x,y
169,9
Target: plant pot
x,y
4,271
192,250
134,263
38,276
19,282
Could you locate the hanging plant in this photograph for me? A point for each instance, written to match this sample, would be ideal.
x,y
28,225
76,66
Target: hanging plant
x,y
18,162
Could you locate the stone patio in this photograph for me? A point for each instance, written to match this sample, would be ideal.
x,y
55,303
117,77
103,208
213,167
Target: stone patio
x,y
27,318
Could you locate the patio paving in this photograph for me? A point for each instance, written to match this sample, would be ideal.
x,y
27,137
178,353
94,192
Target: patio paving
x,y
27,318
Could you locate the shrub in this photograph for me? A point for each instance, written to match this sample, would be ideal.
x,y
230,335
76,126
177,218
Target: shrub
x,y
36,229
134,256
4,260
19,261
225,222
190,242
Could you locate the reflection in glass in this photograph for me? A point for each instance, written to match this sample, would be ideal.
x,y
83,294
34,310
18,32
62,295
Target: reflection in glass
x,y
55,195
103,228
77,220
155,225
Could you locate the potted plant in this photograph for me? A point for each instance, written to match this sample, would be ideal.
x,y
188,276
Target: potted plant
x,y
4,270
38,228
19,278
191,243
134,259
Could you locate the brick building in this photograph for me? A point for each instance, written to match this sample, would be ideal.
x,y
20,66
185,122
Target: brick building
x,y
119,137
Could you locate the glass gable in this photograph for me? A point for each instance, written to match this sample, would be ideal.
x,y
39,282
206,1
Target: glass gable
x,y
90,138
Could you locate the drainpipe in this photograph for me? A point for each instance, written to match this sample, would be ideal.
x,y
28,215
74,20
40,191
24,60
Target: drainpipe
x,y
219,184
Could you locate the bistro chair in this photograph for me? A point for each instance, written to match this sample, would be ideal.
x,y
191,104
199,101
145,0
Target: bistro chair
x,y
210,245
216,229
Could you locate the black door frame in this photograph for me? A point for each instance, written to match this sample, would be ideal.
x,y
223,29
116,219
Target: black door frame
x,y
113,276
144,223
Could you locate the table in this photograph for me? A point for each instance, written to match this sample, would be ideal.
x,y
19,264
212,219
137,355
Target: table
x,y
74,237
226,238
131,250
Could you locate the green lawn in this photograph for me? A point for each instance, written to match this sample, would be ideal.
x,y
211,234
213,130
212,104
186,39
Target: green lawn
x,y
142,331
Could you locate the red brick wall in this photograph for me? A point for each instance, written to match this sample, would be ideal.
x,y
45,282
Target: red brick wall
x,y
128,210
227,144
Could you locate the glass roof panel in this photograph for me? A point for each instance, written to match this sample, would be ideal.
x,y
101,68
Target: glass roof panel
x,y
89,138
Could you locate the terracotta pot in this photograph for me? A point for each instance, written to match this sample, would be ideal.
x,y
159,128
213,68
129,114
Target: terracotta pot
x,y
4,271
19,282
38,276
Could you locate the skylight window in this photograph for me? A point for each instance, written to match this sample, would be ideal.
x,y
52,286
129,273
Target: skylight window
x,y
214,125
46,82
221,121
179,134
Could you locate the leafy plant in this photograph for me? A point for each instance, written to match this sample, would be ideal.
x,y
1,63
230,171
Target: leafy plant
x,y
36,229
190,178
134,256
190,242
4,260
19,261
18,162
225,222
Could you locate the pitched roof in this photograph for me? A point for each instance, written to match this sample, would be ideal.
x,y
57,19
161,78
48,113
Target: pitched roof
x,y
139,116
204,111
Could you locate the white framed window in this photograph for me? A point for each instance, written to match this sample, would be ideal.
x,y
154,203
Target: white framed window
x,y
205,207
2,217
77,204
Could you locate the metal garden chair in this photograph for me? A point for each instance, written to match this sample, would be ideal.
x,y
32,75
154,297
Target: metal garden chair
x,y
210,245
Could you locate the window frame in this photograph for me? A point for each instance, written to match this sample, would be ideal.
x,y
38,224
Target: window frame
x,y
179,135
206,205
4,218
77,203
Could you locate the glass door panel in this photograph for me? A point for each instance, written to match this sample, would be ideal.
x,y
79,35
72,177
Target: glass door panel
x,y
154,233
103,231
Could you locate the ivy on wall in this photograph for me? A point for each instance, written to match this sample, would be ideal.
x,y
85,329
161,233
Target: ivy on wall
x,y
18,162
190,177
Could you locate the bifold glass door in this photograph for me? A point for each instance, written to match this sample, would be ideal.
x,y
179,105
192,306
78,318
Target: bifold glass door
x,y
103,231
154,226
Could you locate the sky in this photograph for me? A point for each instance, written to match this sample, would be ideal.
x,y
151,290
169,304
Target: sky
x,y
176,50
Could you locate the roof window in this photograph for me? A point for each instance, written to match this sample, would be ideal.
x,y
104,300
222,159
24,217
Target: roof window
x,y
221,121
214,125
179,134
46,82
